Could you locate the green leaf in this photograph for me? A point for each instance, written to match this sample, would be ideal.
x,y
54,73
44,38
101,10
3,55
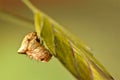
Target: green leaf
x,y
47,29
67,48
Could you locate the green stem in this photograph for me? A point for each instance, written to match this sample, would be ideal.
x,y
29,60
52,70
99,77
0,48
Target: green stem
x,y
35,10
30,5
36,16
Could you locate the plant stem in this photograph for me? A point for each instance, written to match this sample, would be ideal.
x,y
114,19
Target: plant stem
x,y
36,15
30,5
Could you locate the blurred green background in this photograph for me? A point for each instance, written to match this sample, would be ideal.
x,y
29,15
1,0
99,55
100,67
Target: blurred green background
x,y
96,22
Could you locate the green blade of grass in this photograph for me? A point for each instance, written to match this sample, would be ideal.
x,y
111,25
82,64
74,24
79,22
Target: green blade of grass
x,y
67,48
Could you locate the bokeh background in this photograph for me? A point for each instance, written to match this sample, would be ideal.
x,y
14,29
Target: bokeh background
x,y
96,22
